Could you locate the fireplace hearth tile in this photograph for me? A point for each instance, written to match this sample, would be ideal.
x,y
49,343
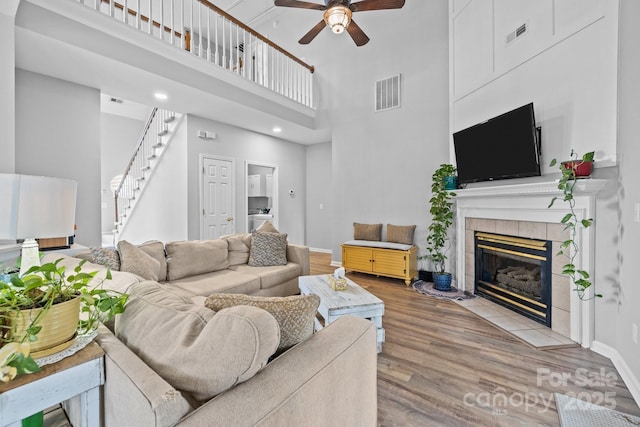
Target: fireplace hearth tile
x,y
509,323
527,330
488,311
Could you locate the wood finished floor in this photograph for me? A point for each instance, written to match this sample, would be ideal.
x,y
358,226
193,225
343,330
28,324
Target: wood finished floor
x,y
441,365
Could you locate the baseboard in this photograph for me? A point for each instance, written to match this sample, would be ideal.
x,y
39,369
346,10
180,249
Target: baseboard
x,y
631,381
323,251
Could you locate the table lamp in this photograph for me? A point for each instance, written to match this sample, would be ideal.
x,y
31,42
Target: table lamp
x,y
35,207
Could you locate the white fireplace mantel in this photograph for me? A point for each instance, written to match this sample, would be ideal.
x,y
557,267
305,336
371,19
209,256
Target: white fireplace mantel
x,y
530,202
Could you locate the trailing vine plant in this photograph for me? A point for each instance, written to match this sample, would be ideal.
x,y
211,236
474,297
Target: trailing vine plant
x,y
566,184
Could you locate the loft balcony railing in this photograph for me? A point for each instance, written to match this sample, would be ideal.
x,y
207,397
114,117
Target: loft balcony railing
x,y
210,33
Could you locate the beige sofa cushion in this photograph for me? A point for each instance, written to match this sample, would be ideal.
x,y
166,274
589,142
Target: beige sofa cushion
x,y
155,249
134,260
267,249
239,245
267,227
193,348
219,281
270,276
189,258
295,314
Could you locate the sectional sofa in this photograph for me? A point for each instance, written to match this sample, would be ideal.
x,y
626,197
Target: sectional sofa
x,y
171,361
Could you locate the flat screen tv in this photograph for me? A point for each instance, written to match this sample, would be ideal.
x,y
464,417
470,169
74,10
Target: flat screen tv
x,y
506,146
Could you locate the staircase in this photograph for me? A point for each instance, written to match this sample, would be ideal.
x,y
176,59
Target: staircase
x,y
128,187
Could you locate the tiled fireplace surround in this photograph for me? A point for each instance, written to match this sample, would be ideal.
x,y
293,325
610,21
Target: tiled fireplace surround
x,y
522,210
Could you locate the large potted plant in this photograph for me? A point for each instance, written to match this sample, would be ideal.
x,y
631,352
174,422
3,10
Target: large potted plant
x,y
441,219
40,313
570,171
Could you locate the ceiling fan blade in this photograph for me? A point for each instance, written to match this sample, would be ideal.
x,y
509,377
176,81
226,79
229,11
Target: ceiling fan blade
x,y
306,39
300,4
364,5
356,33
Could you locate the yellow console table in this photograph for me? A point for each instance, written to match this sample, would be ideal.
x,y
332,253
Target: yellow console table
x,y
399,263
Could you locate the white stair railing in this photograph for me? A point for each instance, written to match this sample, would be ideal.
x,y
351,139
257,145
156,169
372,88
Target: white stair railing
x,y
152,143
210,33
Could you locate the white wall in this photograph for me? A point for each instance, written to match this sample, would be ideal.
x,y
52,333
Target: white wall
x,y
7,88
381,162
242,145
162,209
319,197
627,313
566,64
58,134
117,142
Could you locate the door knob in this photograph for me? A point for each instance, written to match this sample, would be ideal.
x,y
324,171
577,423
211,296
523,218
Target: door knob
x,y
229,219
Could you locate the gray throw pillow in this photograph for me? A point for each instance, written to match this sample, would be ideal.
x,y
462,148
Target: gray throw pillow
x,y
267,249
371,232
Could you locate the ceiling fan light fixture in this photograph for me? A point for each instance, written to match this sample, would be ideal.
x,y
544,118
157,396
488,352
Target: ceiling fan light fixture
x,y
337,18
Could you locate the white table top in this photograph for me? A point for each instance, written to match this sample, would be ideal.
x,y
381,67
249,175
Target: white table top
x,y
353,296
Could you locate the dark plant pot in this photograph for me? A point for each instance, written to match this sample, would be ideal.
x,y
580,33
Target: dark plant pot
x,y
442,281
580,167
425,275
450,182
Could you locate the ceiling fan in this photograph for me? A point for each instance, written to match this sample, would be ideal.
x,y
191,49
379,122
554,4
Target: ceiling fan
x,y
337,16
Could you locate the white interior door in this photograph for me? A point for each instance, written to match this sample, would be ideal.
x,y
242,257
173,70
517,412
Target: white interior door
x,y
217,199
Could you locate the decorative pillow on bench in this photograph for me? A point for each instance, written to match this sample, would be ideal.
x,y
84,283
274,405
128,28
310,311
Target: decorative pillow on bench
x,y
400,234
371,232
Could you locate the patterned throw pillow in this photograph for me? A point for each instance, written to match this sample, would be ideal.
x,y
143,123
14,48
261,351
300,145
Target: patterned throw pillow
x,y
108,257
371,232
267,249
294,314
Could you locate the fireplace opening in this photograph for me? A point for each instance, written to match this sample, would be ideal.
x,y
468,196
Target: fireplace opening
x,y
515,272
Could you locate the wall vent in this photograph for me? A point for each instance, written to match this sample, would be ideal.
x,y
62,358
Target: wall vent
x,y
388,93
517,33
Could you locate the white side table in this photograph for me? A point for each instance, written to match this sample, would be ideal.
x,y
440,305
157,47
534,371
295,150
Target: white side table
x,y
79,375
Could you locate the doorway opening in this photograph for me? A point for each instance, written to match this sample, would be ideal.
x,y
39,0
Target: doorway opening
x,y
262,194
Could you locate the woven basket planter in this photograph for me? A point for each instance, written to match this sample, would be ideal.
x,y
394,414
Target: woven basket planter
x,y
59,326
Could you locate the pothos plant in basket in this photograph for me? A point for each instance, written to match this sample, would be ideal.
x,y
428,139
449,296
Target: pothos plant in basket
x,y
29,304
570,171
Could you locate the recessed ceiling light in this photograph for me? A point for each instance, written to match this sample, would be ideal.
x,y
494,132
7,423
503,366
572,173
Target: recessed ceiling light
x,y
160,96
277,129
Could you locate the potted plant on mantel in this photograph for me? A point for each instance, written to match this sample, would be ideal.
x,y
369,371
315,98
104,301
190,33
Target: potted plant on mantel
x,y
40,313
570,171
442,218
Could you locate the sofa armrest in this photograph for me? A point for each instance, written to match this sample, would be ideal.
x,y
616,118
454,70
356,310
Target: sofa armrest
x,y
300,255
329,379
133,393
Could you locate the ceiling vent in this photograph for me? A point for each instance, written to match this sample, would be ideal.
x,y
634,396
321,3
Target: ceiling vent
x,y
388,93
517,33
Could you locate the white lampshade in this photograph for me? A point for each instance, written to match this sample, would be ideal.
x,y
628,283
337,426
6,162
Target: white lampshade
x,y
337,18
36,207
